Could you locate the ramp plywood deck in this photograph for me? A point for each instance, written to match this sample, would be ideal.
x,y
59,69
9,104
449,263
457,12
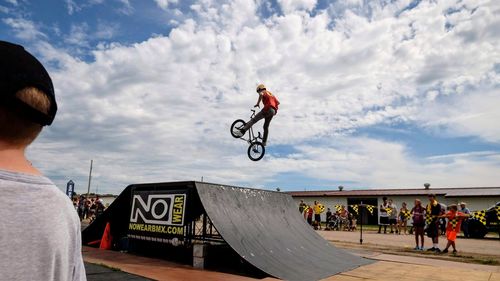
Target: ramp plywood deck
x,y
266,229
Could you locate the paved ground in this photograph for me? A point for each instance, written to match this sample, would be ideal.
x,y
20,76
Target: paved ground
x,y
387,267
474,246
97,272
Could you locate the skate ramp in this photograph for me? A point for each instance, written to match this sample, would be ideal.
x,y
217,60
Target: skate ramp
x,y
266,229
263,227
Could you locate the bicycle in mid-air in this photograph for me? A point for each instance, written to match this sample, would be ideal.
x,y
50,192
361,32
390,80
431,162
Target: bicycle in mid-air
x,y
256,149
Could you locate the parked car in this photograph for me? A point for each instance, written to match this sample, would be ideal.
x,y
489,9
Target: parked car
x,y
479,230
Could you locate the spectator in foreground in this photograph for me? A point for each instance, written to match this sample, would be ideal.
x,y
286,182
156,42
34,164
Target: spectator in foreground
x,y
465,223
418,223
384,217
434,210
453,228
34,246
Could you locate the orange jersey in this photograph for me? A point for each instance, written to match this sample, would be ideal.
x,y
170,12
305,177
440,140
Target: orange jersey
x,y
454,221
269,100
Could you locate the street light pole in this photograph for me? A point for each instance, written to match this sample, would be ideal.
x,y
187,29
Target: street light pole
x,y
361,206
90,178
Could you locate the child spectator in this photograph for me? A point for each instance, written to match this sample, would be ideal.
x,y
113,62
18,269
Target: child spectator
x,y
352,222
418,223
453,228
403,219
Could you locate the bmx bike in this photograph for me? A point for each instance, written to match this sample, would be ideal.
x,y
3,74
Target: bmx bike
x,y
256,149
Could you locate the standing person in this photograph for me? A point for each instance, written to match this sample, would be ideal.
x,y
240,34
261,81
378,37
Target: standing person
x,y
434,211
34,247
81,207
270,109
465,222
393,216
302,205
352,222
453,228
309,215
418,223
442,221
328,218
403,219
384,217
328,215
317,214
344,217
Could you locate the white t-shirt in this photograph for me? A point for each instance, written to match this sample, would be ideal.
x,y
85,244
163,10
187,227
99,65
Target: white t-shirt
x,y
40,236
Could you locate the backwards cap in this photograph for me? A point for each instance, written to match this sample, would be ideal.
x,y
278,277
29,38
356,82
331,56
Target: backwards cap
x,y
18,70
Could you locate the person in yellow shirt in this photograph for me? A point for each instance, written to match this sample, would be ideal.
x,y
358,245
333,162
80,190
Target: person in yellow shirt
x,y
317,213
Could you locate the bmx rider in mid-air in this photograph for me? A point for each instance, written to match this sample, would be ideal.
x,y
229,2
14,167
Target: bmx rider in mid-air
x,y
270,109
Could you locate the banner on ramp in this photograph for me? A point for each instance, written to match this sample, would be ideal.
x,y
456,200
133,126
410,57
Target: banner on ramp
x,y
157,214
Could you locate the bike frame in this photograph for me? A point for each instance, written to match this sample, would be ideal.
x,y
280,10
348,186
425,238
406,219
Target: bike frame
x,y
251,136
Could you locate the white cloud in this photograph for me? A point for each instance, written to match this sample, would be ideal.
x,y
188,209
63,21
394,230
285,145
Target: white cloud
x,y
292,5
78,35
164,3
126,8
24,29
160,110
375,163
12,2
72,6
474,112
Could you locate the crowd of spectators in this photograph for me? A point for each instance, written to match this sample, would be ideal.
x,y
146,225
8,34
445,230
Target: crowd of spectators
x,y
434,219
89,208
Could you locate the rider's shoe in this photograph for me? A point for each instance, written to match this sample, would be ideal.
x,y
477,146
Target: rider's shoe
x,y
239,132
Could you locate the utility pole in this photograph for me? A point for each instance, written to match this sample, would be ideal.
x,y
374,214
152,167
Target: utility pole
x,y
90,177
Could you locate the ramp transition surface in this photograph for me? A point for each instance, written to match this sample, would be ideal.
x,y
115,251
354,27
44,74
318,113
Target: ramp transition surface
x,y
266,229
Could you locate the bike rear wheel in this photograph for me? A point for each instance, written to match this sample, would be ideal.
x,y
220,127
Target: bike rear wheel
x,y
256,151
238,124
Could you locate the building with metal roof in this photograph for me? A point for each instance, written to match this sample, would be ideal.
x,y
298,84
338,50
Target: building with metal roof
x,y
476,198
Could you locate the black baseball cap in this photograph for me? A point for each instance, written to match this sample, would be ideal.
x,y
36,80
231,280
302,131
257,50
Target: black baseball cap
x,y
18,70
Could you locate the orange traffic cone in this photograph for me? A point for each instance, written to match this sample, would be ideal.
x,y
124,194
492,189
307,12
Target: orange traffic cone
x,y
106,238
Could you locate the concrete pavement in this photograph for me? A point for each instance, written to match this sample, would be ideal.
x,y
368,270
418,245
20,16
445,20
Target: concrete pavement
x,y
490,247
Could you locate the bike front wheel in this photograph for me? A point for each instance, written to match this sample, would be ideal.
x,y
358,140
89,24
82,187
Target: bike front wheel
x,y
238,124
256,151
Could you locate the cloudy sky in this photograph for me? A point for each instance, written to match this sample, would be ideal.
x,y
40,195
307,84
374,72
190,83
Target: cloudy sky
x,y
374,93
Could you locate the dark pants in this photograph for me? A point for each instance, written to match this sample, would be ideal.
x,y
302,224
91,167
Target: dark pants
x,y
465,228
264,113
